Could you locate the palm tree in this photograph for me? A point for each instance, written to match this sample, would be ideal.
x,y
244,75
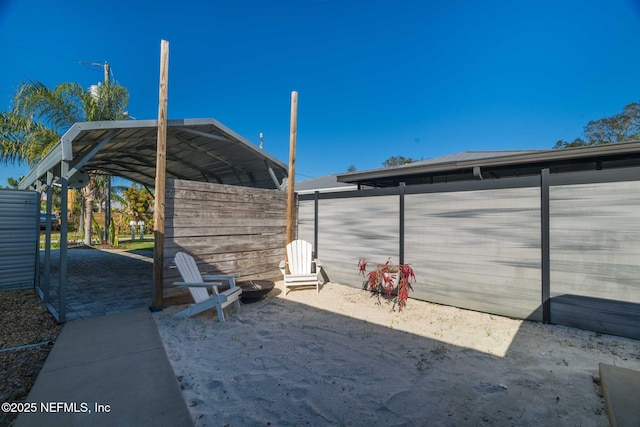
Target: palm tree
x,y
102,188
40,116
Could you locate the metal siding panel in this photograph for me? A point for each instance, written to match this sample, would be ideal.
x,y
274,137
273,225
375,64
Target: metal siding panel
x,y
595,256
478,250
19,219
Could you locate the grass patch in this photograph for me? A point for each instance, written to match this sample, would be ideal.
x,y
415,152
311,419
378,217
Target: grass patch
x,y
138,245
135,245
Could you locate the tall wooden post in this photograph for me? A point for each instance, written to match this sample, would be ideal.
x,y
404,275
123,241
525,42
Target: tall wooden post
x,y
292,165
161,162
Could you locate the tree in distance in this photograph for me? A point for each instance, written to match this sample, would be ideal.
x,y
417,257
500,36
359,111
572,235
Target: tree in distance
x,y
621,127
396,161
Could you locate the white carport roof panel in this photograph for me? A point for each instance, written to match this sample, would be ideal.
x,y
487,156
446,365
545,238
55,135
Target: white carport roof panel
x,y
197,150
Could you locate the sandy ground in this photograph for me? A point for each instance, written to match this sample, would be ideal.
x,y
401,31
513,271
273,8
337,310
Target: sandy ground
x,y
339,358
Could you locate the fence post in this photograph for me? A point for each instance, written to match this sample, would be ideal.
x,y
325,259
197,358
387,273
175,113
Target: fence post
x,y
545,250
401,230
315,225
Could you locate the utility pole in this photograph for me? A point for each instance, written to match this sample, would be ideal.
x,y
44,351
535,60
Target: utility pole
x,y
292,166
161,172
105,67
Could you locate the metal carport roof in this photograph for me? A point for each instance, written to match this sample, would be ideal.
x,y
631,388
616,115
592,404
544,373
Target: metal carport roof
x,y
197,150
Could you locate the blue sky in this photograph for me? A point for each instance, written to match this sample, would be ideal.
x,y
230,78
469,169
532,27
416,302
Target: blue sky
x,y
375,78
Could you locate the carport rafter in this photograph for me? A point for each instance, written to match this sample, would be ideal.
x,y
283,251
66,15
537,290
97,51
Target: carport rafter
x,y
123,156
234,168
123,168
90,154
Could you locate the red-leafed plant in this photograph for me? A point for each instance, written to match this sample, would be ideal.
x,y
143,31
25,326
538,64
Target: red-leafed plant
x,y
381,280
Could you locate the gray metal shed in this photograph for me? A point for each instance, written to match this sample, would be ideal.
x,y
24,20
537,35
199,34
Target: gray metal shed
x,y
18,238
201,150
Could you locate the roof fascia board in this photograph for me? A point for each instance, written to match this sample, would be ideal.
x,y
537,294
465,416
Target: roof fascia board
x,y
397,171
50,161
554,155
67,141
116,124
515,159
207,135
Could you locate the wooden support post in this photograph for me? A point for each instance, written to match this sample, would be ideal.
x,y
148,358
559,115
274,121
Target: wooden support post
x,y
161,162
292,166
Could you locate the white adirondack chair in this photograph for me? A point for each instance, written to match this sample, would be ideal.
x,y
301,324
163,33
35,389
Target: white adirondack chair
x,y
303,270
198,287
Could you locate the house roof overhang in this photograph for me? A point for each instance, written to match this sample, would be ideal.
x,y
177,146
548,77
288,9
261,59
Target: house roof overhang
x,y
196,150
606,156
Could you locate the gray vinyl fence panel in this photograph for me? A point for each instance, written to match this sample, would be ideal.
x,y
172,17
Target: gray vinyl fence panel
x,y
355,228
306,215
19,226
498,246
595,256
477,249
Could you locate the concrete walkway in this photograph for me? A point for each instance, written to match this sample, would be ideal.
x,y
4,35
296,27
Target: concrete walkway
x,y
621,390
108,371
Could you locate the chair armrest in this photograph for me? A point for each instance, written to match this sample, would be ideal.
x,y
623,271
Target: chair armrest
x,y
282,264
228,278
197,284
219,277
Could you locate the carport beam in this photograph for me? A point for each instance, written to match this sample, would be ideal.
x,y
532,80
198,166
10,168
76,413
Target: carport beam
x,y
62,294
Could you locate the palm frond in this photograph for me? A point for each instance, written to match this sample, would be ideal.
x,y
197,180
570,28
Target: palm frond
x,y
23,140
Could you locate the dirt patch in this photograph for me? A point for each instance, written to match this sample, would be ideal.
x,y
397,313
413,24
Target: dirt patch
x,y
24,320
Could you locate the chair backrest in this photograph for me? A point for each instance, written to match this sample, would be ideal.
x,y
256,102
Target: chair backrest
x,y
190,273
299,254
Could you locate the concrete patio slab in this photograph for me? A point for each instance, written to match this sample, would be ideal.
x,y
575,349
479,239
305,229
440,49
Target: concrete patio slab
x,y
621,390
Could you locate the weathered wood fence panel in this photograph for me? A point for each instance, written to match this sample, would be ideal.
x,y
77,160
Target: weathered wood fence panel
x,y
227,229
